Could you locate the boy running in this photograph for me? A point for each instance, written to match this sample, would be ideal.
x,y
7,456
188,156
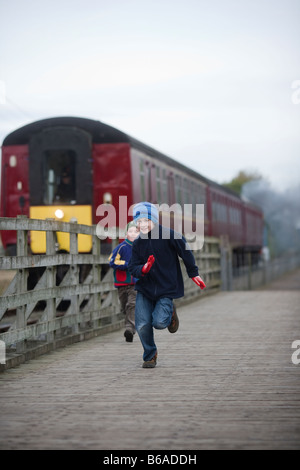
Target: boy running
x,y
154,262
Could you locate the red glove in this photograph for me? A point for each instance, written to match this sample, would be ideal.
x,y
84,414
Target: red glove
x,y
146,268
197,280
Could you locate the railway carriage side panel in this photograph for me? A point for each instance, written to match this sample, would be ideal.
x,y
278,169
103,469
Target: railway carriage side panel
x,y
14,187
111,178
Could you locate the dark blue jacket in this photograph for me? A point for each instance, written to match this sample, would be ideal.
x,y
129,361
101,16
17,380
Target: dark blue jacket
x,y
164,278
119,260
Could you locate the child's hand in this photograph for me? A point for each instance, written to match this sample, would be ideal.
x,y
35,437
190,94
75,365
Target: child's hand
x,y
197,280
146,268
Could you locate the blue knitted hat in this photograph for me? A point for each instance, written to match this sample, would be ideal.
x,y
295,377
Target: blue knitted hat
x,y
145,210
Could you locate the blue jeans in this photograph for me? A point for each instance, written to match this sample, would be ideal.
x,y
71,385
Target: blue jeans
x,y
151,314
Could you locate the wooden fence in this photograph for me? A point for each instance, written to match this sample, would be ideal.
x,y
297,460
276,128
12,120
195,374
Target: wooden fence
x,y
59,298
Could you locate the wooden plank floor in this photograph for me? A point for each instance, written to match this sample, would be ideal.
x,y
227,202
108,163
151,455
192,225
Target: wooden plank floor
x,y
225,380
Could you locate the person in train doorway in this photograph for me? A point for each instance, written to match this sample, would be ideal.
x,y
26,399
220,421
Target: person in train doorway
x,y
65,189
124,282
155,263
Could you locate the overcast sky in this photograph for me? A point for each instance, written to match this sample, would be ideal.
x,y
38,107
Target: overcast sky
x,y
207,82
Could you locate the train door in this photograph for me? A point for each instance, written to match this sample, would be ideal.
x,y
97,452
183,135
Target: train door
x,y
60,181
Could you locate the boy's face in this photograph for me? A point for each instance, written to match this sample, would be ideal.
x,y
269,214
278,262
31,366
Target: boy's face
x,y
132,233
145,225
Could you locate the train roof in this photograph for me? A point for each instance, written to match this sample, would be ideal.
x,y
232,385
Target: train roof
x,y
100,132
103,133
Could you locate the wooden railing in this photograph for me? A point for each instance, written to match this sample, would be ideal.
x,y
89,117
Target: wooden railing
x,y
58,298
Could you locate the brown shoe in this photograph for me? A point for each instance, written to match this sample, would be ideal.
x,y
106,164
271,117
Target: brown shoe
x,y
174,325
150,364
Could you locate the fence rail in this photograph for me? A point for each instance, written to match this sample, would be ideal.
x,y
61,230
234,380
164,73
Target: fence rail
x,y
58,298
253,276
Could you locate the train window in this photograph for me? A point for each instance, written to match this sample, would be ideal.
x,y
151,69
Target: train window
x,y
219,211
164,187
234,215
192,192
186,190
201,197
59,177
223,212
178,189
214,210
158,185
142,180
187,196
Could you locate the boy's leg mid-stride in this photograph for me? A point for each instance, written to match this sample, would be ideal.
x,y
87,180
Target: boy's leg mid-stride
x,y
151,314
155,265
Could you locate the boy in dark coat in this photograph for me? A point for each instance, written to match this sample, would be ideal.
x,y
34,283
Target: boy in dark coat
x,y
154,262
124,282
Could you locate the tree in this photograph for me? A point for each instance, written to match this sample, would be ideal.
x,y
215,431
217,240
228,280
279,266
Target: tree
x,y
243,177
281,214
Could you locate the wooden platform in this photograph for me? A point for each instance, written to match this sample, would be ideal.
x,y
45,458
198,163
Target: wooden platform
x,y
225,380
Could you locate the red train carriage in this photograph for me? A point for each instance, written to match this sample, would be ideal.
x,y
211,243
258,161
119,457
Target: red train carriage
x,y
63,168
66,167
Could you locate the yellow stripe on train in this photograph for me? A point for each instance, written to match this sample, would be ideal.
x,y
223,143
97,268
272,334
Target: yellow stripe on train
x,y
83,215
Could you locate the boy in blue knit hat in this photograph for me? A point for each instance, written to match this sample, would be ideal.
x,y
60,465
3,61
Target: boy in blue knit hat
x,y
124,282
154,262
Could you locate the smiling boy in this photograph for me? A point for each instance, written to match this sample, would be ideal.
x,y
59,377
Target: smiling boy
x,y
155,263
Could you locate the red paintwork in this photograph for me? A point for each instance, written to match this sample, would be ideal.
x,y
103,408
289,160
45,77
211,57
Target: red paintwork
x,y
247,232
112,174
10,194
253,227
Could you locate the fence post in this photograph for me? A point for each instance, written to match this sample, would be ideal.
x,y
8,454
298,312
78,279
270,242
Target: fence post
x,y
226,264
22,250
96,277
74,278
2,353
51,281
249,271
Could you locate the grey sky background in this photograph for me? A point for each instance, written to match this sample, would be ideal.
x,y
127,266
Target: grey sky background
x,y
207,82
